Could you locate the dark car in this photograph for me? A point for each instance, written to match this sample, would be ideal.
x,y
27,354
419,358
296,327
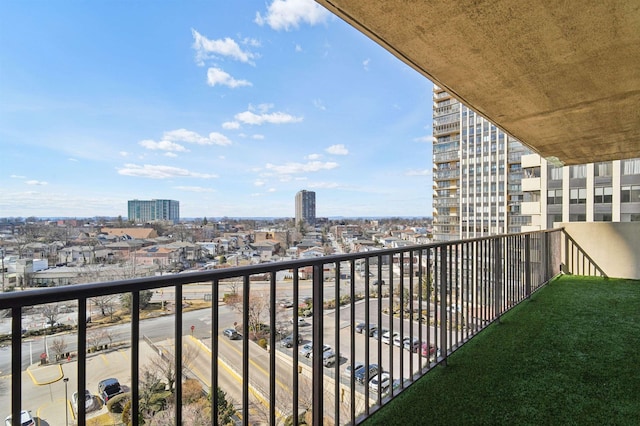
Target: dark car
x,y
231,334
361,374
363,328
108,388
288,341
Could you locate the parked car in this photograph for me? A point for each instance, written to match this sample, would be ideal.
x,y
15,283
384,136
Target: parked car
x,y
289,341
108,388
325,348
90,402
412,345
363,328
25,419
388,338
329,359
356,366
397,340
286,304
231,334
432,352
381,282
301,321
306,349
382,380
361,374
378,332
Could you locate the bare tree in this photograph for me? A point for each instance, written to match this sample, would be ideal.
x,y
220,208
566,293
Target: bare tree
x,y
50,312
58,346
258,306
164,364
96,337
107,304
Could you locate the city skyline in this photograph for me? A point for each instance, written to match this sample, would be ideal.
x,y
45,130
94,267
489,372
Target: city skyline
x,y
228,109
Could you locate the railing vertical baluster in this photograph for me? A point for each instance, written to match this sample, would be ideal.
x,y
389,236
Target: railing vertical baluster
x,y
443,304
421,277
272,346
352,349
82,356
135,355
391,320
497,276
318,374
245,349
411,306
296,360
336,366
215,326
430,279
16,364
527,265
178,360
402,301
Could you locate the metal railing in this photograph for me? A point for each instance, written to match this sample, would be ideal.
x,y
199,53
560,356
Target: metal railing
x,y
433,297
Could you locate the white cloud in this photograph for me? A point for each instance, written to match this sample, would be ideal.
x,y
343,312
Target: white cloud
x,y
249,117
339,149
17,177
230,125
227,47
36,182
427,139
259,183
313,157
365,64
424,172
324,185
271,190
193,189
184,135
160,172
298,48
217,76
287,14
123,154
257,137
72,159
170,154
318,104
164,145
294,168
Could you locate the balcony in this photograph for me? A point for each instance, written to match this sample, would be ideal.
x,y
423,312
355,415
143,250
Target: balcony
x,y
437,296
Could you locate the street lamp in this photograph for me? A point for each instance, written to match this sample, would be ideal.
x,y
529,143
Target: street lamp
x,y
66,399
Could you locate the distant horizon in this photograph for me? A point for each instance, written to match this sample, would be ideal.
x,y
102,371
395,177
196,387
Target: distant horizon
x,y
216,218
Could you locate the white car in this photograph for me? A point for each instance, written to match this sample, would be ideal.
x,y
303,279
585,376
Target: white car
x,y
90,403
25,419
301,321
382,379
388,338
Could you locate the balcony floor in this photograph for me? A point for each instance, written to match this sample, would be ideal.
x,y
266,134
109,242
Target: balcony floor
x,y
570,355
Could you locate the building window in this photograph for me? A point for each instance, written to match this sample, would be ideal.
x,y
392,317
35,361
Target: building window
x,y
603,169
578,196
577,218
631,167
603,194
630,194
578,172
602,217
532,172
554,196
555,173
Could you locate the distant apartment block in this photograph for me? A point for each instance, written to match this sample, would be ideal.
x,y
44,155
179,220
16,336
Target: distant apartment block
x,y
142,211
595,192
306,207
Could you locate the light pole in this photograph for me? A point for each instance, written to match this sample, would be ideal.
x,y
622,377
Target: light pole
x,y
66,399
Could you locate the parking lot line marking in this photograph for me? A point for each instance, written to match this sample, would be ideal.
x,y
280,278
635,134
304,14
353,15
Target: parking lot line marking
x,y
104,358
124,354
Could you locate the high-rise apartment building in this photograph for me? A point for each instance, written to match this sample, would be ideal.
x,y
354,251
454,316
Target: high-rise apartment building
x,y
486,182
152,210
595,192
306,207
477,174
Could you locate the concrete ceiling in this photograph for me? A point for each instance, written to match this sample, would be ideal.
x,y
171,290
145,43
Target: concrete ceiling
x,y
561,76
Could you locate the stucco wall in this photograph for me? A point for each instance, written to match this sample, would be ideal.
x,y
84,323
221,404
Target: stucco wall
x,y
614,247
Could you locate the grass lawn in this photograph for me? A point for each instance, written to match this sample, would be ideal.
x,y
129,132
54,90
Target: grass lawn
x,y
569,356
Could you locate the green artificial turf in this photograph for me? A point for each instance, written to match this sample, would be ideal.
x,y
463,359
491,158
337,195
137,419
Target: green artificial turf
x,y
568,356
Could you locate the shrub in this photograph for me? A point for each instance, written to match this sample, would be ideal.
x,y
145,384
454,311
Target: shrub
x,y
262,343
191,391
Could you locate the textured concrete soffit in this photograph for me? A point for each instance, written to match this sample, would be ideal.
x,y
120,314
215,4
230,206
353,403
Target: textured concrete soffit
x,y
563,78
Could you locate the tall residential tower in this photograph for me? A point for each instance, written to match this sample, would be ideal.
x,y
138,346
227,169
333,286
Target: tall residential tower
x,y
152,210
306,207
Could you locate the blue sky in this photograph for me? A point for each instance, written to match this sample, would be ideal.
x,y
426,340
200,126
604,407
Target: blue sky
x,y
228,107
